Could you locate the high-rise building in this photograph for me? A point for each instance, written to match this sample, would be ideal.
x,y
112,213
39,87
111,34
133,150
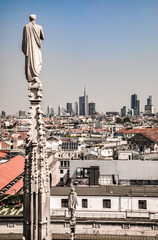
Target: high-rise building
x,y
59,110
3,114
75,108
149,109
22,113
69,108
50,111
135,104
130,112
123,111
149,100
137,108
83,104
133,100
91,108
86,102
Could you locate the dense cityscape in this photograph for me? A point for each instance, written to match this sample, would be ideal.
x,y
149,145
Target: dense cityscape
x,y
87,169
111,159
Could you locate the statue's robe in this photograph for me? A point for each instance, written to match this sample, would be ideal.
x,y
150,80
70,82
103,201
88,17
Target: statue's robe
x,y
31,47
72,200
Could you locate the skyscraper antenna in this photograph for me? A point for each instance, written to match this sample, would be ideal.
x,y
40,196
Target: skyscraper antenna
x,y
85,90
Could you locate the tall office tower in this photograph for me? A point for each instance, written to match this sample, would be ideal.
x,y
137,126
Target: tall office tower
x,y
123,111
91,108
22,113
69,108
86,101
149,100
133,100
137,108
135,104
149,109
130,112
59,110
3,114
83,104
50,111
75,108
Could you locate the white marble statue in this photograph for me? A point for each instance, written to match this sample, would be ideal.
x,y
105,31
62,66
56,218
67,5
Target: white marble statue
x,y
31,47
72,203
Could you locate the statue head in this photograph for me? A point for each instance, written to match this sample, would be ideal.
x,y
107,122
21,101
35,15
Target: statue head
x,y
32,17
72,189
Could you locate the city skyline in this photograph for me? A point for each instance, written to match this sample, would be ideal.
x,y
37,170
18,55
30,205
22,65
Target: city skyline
x,y
109,46
74,108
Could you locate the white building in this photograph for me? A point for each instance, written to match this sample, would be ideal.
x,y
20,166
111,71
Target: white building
x,y
128,155
108,202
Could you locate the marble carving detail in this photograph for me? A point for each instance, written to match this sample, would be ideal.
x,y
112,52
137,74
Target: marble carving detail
x,y
36,172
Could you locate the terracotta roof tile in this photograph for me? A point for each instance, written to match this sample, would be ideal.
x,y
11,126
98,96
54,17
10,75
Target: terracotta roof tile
x,y
15,188
152,135
3,154
11,169
137,130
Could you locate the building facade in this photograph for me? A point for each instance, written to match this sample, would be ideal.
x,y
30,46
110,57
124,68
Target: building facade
x,y
83,104
91,108
75,108
123,111
69,108
115,172
149,109
108,202
135,104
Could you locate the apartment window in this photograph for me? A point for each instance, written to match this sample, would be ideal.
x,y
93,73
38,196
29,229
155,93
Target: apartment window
x,y
84,203
61,163
64,203
61,171
142,204
79,172
106,203
86,172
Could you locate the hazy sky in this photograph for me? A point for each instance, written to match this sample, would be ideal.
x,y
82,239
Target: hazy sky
x,y
109,45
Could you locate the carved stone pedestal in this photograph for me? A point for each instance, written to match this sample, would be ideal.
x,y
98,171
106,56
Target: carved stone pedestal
x,y
73,229
36,178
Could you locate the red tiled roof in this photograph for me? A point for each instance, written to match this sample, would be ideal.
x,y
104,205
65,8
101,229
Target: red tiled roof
x,y
6,133
3,154
22,132
4,145
21,135
99,130
11,169
152,135
15,188
137,130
